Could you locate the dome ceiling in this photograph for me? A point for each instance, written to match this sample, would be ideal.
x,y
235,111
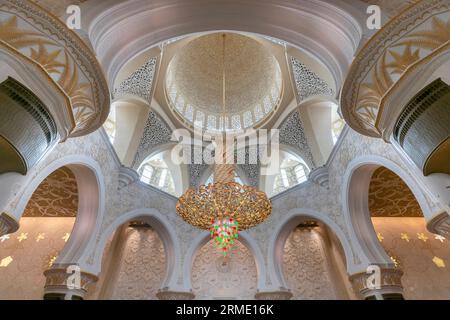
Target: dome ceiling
x,y
220,65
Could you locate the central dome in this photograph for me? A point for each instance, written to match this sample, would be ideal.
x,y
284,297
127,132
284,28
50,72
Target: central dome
x,y
223,82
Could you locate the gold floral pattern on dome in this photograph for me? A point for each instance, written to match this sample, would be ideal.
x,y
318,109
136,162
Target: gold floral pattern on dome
x,y
201,207
224,66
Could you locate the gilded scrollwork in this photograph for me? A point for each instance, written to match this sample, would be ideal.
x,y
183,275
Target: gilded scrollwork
x,y
389,196
305,267
56,196
70,63
232,277
142,265
411,37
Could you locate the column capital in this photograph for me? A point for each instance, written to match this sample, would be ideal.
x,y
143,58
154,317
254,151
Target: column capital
x,y
282,294
440,224
62,283
7,224
389,286
167,294
320,176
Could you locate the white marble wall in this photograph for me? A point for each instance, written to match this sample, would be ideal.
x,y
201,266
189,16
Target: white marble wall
x,y
323,201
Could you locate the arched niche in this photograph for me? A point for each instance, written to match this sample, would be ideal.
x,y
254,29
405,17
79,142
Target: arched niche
x,y
401,230
134,264
113,240
309,255
248,253
355,193
215,276
41,241
91,203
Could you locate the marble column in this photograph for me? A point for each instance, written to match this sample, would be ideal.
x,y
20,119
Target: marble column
x,y
440,224
167,294
67,283
387,287
282,294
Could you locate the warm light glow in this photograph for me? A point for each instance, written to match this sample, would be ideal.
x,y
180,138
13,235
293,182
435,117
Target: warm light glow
x,y
422,236
52,261
66,237
40,236
380,237
6,261
404,236
439,262
22,237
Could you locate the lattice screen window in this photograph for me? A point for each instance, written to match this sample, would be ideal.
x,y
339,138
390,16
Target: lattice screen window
x,y
292,172
156,173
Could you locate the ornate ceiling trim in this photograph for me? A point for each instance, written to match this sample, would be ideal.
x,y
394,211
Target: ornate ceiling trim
x,y
196,172
140,82
292,134
46,40
389,196
308,83
283,21
56,196
156,133
250,171
405,41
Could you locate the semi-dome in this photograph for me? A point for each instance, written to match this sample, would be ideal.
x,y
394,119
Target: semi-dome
x,y
224,81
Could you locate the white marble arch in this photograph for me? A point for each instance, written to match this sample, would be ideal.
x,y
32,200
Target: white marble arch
x,y
149,23
161,225
91,203
284,228
355,195
204,237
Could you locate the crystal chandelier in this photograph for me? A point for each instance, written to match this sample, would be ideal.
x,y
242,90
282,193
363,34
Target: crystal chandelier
x,y
224,207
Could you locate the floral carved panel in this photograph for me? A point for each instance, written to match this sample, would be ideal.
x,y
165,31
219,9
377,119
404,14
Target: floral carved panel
x,y
233,277
305,267
142,266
